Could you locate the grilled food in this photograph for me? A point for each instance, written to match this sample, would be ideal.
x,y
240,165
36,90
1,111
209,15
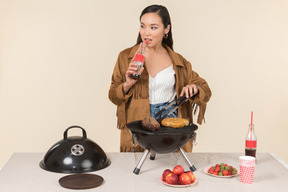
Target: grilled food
x,y
175,122
150,123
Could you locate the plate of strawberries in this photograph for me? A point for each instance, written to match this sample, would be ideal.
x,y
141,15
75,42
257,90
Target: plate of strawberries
x,y
222,170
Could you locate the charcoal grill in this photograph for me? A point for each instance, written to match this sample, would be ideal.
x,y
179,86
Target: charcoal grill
x,y
164,140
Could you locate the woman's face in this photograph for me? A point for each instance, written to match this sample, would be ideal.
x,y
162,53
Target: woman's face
x,y
152,28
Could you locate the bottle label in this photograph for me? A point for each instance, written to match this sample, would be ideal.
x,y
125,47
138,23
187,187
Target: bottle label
x,y
251,144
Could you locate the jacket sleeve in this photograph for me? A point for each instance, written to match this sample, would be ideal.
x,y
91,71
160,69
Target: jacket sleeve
x,y
116,95
204,93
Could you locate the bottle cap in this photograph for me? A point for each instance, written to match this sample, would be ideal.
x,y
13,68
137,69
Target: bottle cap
x,y
139,57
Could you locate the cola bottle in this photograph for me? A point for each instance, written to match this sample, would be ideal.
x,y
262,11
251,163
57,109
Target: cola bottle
x,y
251,142
139,59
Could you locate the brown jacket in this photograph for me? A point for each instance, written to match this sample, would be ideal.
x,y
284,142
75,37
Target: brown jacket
x,y
135,104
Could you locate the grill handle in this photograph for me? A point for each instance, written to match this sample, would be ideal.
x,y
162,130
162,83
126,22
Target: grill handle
x,y
75,126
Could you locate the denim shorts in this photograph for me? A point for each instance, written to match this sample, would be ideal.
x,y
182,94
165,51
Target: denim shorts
x,y
155,108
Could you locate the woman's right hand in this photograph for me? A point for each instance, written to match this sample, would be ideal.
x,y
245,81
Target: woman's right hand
x,y
129,80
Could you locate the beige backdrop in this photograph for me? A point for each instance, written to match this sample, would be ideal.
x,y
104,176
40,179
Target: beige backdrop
x,y
56,60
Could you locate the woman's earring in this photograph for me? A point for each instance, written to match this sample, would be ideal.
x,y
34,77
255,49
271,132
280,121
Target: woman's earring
x,y
166,35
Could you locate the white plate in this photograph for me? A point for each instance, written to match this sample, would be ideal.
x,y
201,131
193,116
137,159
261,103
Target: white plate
x,y
179,186
207,168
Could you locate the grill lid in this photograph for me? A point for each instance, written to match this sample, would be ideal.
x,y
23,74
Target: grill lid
x,y
75,154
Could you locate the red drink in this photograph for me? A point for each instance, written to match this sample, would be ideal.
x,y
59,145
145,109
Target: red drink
x,y
250,152
251,142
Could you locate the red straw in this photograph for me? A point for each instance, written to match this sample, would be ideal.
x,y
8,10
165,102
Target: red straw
x,y
143,45
251,124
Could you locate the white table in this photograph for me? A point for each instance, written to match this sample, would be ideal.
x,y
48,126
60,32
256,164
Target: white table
x,y
22,173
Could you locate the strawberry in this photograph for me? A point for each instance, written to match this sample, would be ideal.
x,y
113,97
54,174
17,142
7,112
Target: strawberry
x,y
225,172
234,171
215,173
211,170
229,172
217,169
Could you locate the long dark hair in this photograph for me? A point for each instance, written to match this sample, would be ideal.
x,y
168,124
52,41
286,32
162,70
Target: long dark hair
x,y
164,14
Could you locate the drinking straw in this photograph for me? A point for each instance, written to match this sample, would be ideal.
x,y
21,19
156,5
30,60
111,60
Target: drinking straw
x,y
143,45
251,125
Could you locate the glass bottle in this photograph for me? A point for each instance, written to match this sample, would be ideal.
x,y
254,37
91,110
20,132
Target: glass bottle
x,y
251,142
139,60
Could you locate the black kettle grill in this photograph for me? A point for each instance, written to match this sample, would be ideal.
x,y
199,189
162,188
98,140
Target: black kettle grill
x,y
164,140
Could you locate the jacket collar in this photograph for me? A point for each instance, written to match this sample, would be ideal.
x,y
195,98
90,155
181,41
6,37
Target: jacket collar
x,y
174,56
133,51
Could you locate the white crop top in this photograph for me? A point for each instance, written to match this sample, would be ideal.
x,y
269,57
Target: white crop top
x,y
162,86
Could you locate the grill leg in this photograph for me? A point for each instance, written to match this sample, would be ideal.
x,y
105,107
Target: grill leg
x,y
138,167
191,167
152,156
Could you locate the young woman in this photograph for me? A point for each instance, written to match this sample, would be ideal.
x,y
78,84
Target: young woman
x,y
165,75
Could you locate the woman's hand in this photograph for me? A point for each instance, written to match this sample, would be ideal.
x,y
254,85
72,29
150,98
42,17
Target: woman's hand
x,y
189,90
129,80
